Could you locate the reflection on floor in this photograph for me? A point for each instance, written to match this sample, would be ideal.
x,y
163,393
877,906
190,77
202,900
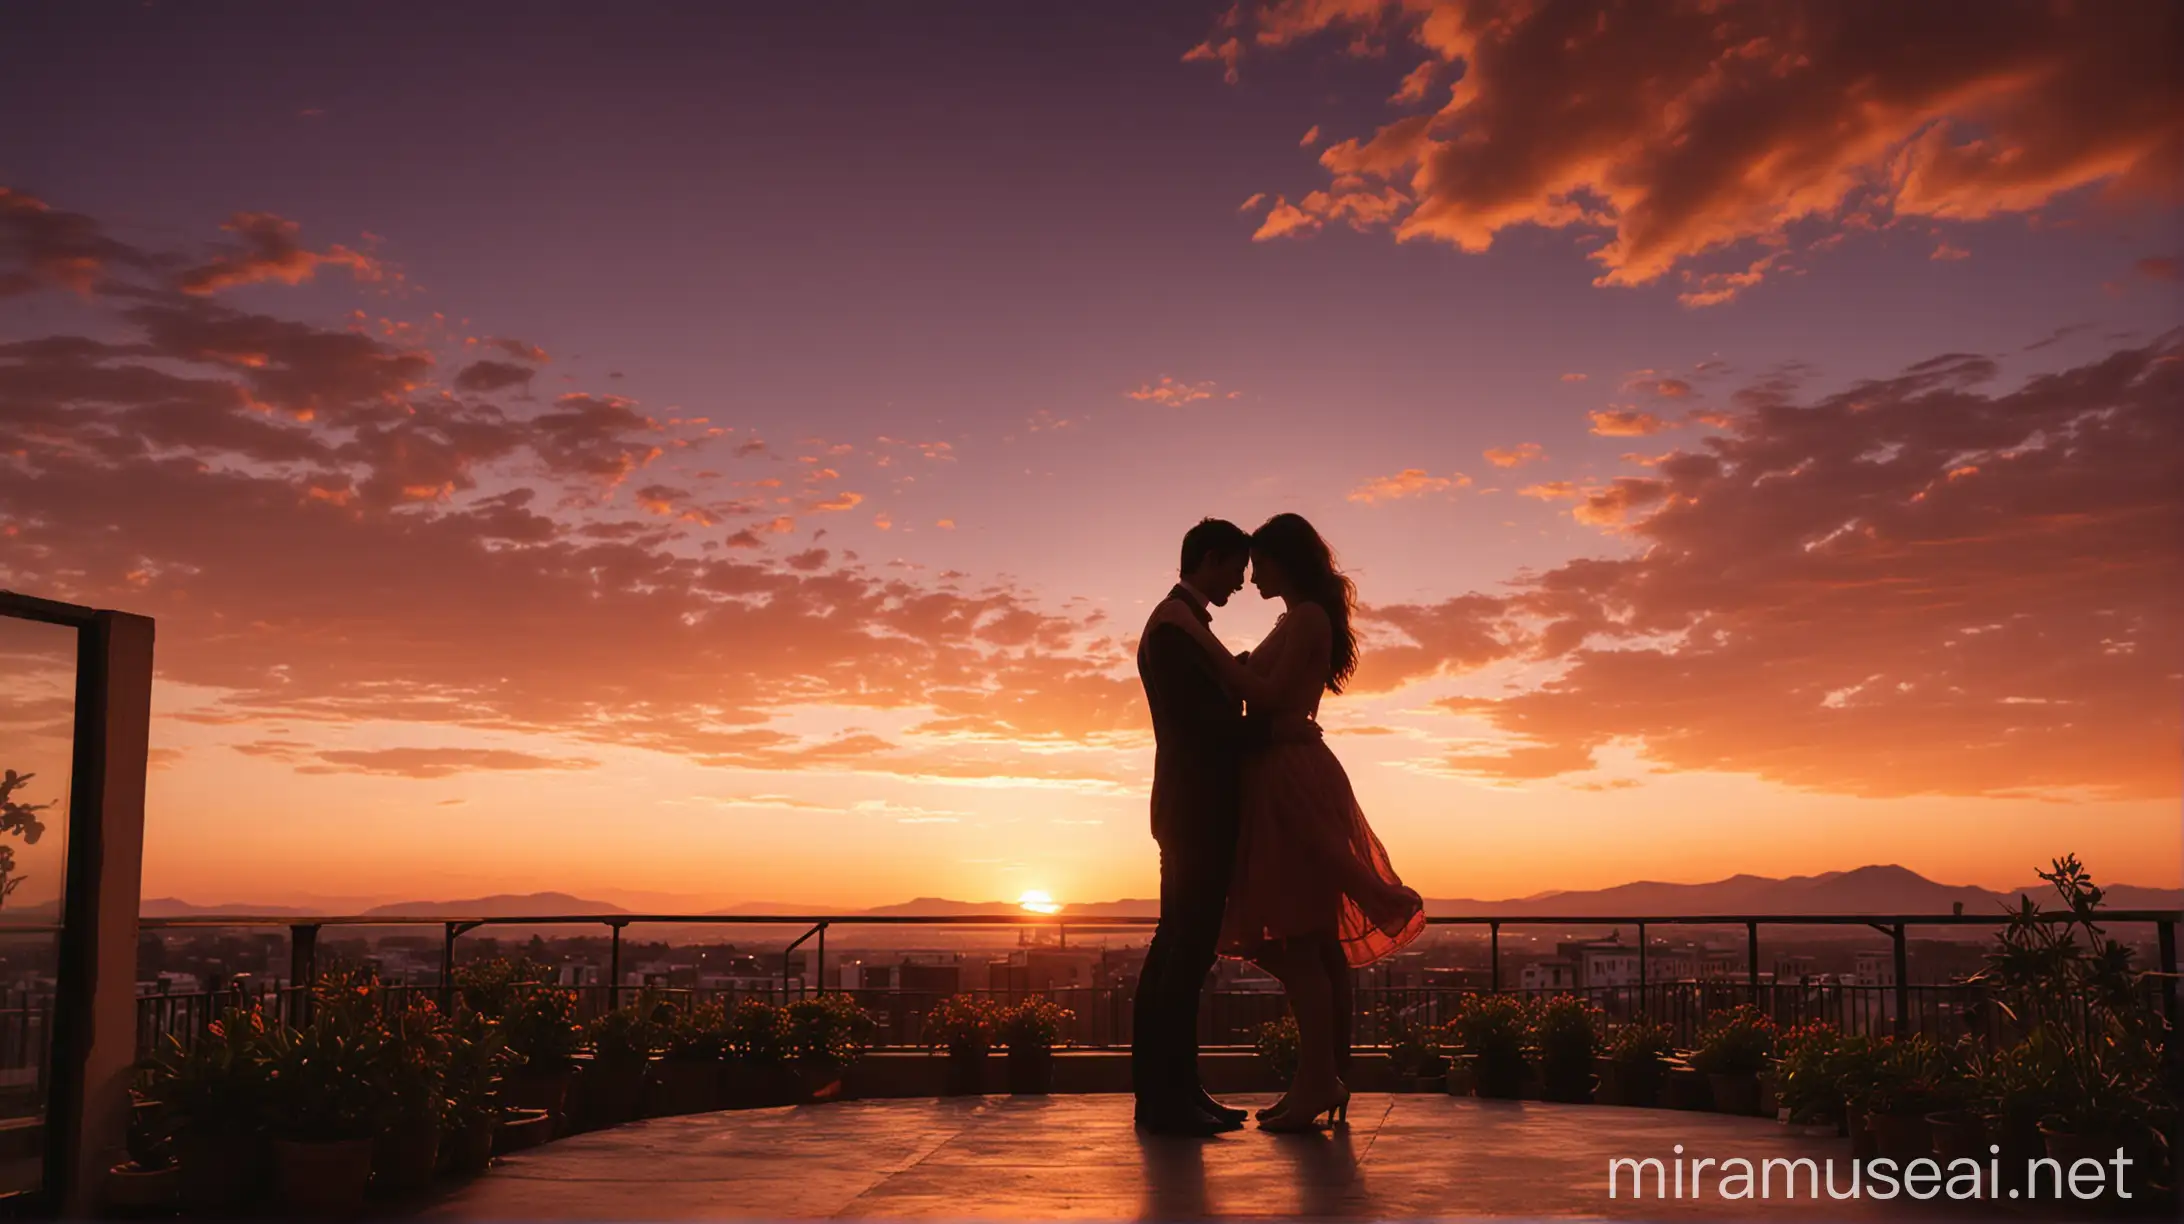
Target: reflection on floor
x,y
1079,1156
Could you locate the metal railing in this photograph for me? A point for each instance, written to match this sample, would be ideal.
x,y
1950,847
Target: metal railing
x,y
1229,1016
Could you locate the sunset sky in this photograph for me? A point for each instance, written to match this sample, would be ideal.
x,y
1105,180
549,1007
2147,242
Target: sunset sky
x,y
685,454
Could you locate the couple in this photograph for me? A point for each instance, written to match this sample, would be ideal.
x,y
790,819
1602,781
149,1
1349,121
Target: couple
x,y
1264,854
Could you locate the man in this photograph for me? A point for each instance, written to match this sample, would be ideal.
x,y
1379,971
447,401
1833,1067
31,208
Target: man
x,y
1199,736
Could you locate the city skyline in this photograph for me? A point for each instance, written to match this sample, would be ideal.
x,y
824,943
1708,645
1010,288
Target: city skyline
x,y
731,454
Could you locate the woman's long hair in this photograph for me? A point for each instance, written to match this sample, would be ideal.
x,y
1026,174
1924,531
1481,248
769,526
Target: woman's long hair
x,y
1309,565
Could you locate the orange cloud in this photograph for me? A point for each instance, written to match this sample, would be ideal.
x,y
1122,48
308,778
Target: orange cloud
x,y
270,252
1681,130
1625,423
1410,482
1174,394
1515,456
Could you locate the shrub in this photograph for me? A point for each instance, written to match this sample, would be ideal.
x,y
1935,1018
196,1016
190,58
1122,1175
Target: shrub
x,y
963,1025
1414,1049
477,1058
698,1033
218,1085
327,1081
541,1030
1810,1071
495,987
758,1034
1735,1042
1276,1043
416,1047
625,1037
827,1031
1494,1029
1034,1025
1567,1032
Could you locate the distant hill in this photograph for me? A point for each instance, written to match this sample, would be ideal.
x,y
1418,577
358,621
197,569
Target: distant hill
x,y
1878,889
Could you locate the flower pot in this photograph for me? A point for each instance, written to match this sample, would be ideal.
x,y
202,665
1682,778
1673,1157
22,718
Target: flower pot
x,y
405,1158
1461,1080
1770,1096
818,1084
1422,1082
1031,1071
965,1074
1900,1137
218,1174
1861,1131
540,1088
469,1149
1636,1084
1735,1092
1499,1078
132,1189
609,1093
325,1178
684,1086
520,1129
2067,1148
1687,1089
1958,1134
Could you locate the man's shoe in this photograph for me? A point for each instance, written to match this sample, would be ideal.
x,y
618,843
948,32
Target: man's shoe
x,y
1215,1109
1179,1121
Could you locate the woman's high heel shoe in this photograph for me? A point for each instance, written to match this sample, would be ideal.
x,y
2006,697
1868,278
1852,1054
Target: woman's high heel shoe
x,y
1292,1122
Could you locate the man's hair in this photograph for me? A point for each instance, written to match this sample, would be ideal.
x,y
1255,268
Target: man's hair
x,y
1213,537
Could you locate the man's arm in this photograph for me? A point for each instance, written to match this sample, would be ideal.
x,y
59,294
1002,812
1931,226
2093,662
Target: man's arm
x,y
1192,689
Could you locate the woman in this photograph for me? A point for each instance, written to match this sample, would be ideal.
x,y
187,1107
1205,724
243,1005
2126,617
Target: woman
x,y
1309,871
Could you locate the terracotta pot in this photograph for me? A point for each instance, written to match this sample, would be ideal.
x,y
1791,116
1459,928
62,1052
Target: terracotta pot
x,y
133,1190
1958,1134
321,1178
218,1174
608,1094
684,1086
539,1088
1902,1138
1687,1089
1498,1078
468,1150
1861,1133
2067,1148
965,1074
1031,1071
405,1158
1735,1092
522,1128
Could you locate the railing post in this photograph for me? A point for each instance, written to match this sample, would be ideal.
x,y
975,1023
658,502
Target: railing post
x,y
820,972
614,968
1903,983
447,967
1751,959
303,966
1493,956
1643,1009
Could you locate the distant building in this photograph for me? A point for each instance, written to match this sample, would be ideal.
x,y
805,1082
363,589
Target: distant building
x,y
1553,974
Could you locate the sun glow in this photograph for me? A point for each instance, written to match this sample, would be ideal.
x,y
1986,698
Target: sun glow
x,y
1038,902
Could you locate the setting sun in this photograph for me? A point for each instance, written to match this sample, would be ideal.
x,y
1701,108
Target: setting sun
x,y
1038,902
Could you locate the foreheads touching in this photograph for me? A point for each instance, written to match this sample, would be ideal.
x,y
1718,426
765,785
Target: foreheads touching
x,y
1214,555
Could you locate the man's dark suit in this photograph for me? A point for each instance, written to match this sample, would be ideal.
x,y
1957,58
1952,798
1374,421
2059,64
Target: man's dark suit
x,y
1199,735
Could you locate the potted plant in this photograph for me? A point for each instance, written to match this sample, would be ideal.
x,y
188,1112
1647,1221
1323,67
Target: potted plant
x,y
1492,1030
1030,1030
520,1127
1414,1052
145,1183
495,988
1567,1037
688,1078
1638,1063
328,1104
623,1044
543,1038
1276,1044
757,1072
212,1097
827,1032
477,1058
962,1028
1733,1048
415,1050
1806,1073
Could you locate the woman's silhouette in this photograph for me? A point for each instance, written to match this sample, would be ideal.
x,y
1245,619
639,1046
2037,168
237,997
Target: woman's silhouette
x,y
1309,871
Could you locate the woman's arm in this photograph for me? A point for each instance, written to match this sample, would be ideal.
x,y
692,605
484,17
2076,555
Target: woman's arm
x,y
1299,667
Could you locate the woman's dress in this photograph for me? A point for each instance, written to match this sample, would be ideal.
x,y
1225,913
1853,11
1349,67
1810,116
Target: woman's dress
x,y
1307,863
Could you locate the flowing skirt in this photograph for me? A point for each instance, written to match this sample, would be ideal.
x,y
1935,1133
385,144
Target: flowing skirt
x,y
1307,863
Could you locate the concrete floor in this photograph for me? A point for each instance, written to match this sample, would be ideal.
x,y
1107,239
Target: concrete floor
x,y
1029,1158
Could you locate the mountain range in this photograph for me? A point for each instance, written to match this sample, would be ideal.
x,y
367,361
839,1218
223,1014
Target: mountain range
x,y
1875,889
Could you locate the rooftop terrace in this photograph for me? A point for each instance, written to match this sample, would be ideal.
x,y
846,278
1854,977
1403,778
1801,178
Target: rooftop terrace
x,y
1406,1156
